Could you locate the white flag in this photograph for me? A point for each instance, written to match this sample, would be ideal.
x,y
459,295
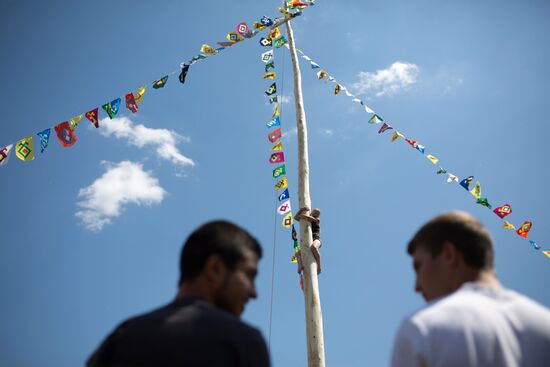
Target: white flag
x,y
5,155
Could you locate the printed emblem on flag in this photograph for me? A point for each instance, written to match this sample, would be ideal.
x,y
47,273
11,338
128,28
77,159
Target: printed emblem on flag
x,y
274,135
272,75
284,195
5,155
284,207
385,127
92,116
321,74
503,210
183,74
266,21
24,149
287,220
279,42
278,157
375,119
534,244
337,89
112,107
274,33
281,184
484,202
208,50
466,182
234,37
243,30
281,170
274,122
278,146
267,56
139,94
294,234
270,66
160,83
452,178
66,136
131,102
73,122
44,139
434,160
265,42
507,225
476,191
523,231
441,171
272,89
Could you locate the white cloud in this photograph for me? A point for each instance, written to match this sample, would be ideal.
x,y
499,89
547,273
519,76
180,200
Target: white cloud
x,y
284,99
163,140
327,132
387,82
122,183
290,133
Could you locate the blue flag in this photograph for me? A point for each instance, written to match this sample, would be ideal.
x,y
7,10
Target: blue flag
x,y
44,139
274,122
285,195
115,106
466,182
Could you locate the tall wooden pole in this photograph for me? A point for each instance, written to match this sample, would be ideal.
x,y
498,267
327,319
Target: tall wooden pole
x,y
314,317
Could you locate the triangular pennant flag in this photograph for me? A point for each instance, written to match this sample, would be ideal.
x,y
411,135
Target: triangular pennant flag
x,y
296,4
131,102
139,94
412,143
321,74
259,26
112,107
523,231
476,191
276,111
547,253
287,220
484,202
282,184
75,121
24,149
272,89
367,108
274,122
284,195
466,182
507,225
274,135
274,33
294,234
534,244
337,89
160,83
452,178
92,116
272,75
348,93
243,30
208,50
434,160
280,170
183,74
44,139
278,146
441,170
66,136
279,42
396,135
234,37
5,155
421,148
284,208
269,66
314,65
273,99
278,157
503,210
375,119
267,56
385,127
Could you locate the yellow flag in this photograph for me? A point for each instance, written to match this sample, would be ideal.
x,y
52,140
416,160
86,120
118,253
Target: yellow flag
x,y
294,259
282,184
73,123
396,134
547,253
139,94
507,225
476,191
206,49
433,159
275,33
287,220
278,146
234,37
24,149
258,25
276,112
271,75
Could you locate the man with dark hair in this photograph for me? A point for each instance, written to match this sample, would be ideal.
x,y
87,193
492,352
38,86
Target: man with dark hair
x,y
470,319
201,327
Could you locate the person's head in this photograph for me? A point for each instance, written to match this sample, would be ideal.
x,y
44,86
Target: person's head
x,y
220,260
449,250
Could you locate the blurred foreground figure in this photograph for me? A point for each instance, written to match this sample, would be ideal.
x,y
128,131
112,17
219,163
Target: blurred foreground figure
x,y
202,326
470,319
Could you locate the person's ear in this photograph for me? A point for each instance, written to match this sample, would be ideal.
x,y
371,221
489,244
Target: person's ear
x,y
451,254
215,269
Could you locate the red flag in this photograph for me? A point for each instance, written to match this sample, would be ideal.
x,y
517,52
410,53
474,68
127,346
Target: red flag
x,y
523,231
65,134
503,210
93,117
274,135
131,102
278,157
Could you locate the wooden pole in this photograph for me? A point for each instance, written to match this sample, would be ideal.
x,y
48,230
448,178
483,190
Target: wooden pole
x,y
314,318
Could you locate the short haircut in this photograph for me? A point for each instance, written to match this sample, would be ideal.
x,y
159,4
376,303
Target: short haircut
x,y
468,235
222,238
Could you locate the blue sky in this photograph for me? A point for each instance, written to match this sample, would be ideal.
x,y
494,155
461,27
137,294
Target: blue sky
x,y
469,80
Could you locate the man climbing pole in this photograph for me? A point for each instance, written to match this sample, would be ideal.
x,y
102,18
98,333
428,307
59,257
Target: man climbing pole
x,y
312,216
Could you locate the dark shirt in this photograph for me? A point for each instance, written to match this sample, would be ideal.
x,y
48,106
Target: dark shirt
x,y
186,333
316,231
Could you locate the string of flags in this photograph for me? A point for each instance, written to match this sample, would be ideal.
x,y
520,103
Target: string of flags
x,y
65,131
375,119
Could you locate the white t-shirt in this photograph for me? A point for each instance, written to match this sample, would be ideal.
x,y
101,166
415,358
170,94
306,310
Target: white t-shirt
x,y
475,326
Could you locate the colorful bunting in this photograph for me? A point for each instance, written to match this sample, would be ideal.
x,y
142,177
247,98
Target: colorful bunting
x,y
271,90
274,122
93,117
24,149
284,195
396,135
507,225
282,184
484,202
160,83
503,210
284,208
523,231
274,135
73,122
279,42
183,74
45,138
434,160
278,146
278,157
267,56
112,107
476,191
288,221
466,182
375,119
5,155
234,37
66,136
281,170
534,244
131,102
385,127
208,50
